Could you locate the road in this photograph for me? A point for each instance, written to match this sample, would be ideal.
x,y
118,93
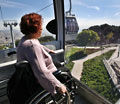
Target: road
x,y
78,64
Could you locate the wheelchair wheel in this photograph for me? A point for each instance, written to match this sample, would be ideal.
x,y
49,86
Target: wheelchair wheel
x,y
46,98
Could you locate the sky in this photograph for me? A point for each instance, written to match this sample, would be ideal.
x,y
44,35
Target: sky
x,y
15,9
88,12
96,12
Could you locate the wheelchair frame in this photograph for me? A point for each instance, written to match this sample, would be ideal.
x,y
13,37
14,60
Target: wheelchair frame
x,y
41,97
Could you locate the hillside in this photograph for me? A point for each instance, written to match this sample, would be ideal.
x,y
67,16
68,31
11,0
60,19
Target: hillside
x,y
105,30
5,36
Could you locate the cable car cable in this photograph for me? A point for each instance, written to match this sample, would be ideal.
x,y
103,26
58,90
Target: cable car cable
x,y
44,7
70,9
1,13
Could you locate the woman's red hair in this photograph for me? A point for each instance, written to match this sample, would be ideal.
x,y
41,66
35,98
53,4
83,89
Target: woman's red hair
x,y
31,23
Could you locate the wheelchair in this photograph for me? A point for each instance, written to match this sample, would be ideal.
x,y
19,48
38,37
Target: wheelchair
x,y
23,87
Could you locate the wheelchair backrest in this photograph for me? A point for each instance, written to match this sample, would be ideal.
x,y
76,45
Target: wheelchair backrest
x,y
23,84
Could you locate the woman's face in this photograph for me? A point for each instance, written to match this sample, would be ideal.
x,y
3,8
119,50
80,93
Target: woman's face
x,y
39,32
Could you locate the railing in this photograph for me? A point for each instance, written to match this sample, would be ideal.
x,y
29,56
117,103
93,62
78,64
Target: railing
x,y
111,72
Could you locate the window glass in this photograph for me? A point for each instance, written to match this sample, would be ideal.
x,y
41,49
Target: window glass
x,y
12,10
91,26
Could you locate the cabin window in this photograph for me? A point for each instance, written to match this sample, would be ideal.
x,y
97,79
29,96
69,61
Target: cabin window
x,y
103,20
11,11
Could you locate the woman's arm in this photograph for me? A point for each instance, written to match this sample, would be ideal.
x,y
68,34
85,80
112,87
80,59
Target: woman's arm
x,y
45,77
48,50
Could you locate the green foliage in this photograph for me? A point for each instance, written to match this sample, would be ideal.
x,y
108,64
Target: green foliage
x,y
96,77
2,47
108,54
17,42
71,42
69,56
109,35
70,65
87,36
46,39
90,51
104,29
76,53
42,40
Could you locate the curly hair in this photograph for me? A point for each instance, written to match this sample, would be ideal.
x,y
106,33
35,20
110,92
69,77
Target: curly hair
x,y
31,23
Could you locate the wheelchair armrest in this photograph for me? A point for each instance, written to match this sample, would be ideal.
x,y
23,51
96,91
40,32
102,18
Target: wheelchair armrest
x,y
18,64
58,72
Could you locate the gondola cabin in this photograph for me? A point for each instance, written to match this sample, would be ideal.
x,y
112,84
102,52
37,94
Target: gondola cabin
x,y
71,24
63,24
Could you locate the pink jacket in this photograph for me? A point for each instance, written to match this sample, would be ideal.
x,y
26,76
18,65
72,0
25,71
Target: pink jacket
x,y
40,61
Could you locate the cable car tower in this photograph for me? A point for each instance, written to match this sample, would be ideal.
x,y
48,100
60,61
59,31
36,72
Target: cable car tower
x,y
71,24
10,23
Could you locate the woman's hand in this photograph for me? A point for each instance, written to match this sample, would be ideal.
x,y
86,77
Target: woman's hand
x,y
62,89
52,51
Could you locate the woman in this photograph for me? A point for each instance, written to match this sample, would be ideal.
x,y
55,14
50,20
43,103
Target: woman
x,y
36,54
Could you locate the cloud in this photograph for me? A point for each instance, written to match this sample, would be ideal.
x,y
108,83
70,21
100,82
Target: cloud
x,y
78,3
85,23
115,6
45,21
86,5
1,25
7,3
117,14
94,7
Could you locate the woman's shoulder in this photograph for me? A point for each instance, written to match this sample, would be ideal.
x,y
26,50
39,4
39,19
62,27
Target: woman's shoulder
x,y
31,42
34,42
27,43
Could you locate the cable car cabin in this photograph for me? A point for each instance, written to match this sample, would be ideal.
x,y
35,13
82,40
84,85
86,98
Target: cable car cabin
x,y
83,95
71,24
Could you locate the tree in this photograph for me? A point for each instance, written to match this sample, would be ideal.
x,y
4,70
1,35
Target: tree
x,y
87,36
104,29
109,36
46,39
